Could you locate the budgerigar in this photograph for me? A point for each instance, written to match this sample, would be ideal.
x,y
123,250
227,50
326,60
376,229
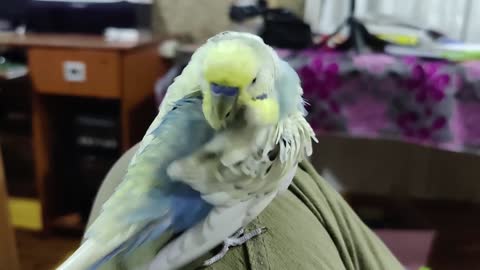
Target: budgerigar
x,y
228,137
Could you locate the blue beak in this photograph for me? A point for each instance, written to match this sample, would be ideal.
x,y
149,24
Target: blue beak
x,y
221,90
223,101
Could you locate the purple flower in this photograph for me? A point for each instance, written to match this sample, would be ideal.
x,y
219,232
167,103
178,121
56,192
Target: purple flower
x,y
317,64
441,81
320,80
439,123
410,60
424,133
334,106
438,85
406,119
402,122
431,68
332,79
421,97
416,78
309,82
428,83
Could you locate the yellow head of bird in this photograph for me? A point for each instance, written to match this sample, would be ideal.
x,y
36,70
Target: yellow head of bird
x,y
229,68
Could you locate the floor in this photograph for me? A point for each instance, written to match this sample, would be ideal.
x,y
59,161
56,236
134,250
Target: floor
x,y
39,252
456,246
457,227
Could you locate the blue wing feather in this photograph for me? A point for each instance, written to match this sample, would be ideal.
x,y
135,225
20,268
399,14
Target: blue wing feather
x,y
287,86
168,205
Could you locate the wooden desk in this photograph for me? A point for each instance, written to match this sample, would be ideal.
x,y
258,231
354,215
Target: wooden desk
x,y
70,41
117,76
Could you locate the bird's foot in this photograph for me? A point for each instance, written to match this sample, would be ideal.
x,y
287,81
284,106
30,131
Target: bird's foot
x,y
239,238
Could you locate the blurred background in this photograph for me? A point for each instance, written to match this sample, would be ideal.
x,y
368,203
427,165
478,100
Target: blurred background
x,y
393,88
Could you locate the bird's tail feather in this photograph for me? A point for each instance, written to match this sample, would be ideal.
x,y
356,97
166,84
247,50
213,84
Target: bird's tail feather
x,y
88,254
92,255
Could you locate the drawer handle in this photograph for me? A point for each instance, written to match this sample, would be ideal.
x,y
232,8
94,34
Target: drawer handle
x,y
74,71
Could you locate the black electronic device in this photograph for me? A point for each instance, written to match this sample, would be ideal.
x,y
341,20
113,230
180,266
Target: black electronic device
x,y
86,17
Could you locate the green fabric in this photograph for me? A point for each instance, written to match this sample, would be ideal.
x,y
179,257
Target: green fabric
x,y
310,227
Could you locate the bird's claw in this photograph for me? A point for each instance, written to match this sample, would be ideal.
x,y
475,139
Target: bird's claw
x,y
239,238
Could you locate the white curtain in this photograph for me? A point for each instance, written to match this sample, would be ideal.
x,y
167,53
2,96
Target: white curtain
x,y
456,18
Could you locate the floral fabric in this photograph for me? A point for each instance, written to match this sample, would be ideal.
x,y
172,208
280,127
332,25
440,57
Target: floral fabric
x,y
432,103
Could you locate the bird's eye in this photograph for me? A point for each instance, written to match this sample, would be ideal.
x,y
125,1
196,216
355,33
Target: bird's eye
x,y
254,80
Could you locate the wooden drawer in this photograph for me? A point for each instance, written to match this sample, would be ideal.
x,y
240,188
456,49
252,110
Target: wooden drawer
x,y
101,71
